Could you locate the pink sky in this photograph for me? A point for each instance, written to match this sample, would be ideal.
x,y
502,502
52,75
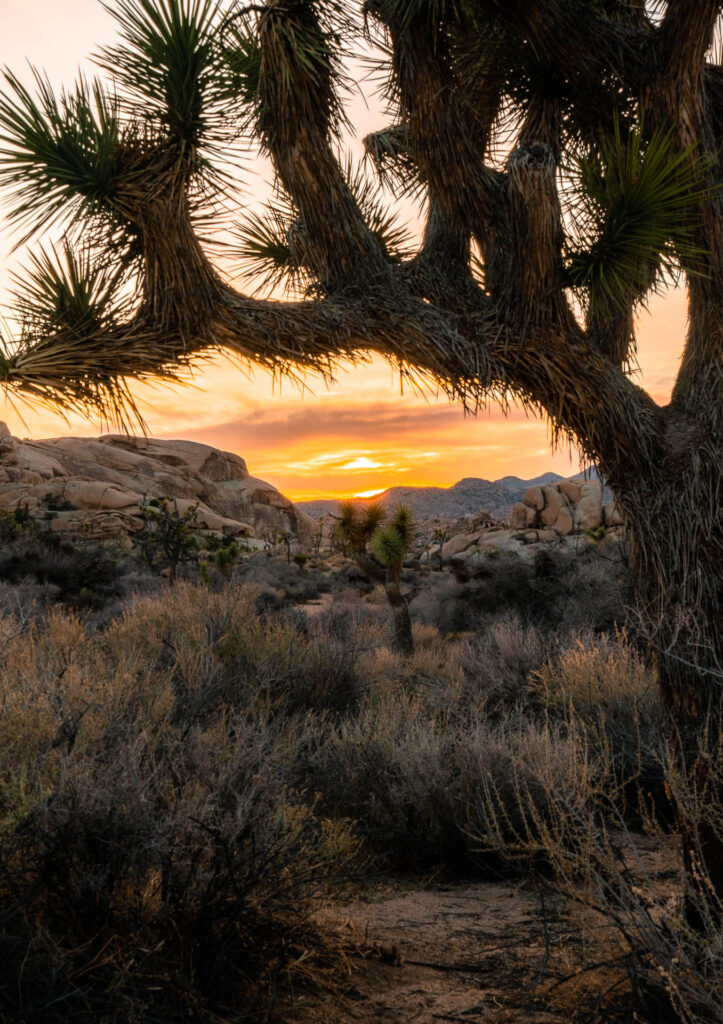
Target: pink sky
x,y
357,435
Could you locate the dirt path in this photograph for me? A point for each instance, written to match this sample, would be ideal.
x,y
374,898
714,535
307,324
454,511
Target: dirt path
x,y
481,953
472,953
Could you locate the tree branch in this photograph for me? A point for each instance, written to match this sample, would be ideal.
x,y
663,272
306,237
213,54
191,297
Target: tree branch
x,y
534,296
447,136
685,35
581,43
683,94
297,105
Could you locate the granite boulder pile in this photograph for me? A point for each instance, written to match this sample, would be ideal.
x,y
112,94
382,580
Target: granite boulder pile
x,y
564,508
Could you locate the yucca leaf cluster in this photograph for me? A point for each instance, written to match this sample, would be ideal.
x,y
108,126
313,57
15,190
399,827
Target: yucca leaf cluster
x,y
633,214
368,532
58,153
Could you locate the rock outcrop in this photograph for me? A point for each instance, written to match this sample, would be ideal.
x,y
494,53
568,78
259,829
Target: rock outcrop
x,y
96,487
564,508
565,513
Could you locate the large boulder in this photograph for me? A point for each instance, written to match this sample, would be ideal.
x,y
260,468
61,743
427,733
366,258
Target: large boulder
x,y
564,524
554,502
612,515
96,486
522,516
456,545
94,494
589,512
571,489
534,498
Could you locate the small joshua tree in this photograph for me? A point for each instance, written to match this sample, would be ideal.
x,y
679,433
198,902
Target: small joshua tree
x,y
168,539
378,548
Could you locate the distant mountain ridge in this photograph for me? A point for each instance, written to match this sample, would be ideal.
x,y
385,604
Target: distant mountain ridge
x,y
466,497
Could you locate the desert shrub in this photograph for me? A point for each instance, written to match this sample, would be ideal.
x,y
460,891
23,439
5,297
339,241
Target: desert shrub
x,y
295,663
174,777
218,647
603,687
53,503
28,597
507,775
559,590
80,574
599,674
386,768
596,589
441,603
438,731
167,863
281,583
635,901
415,781
15,523
500,660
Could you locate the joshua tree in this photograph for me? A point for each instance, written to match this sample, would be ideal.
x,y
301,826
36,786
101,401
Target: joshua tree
x,y
568,156
378,548
168,538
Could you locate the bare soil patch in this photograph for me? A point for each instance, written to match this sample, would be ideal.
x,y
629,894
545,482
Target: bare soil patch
x,y
465,953
479,953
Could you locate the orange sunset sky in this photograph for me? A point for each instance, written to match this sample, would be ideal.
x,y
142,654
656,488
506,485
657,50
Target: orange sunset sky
x,y
356,436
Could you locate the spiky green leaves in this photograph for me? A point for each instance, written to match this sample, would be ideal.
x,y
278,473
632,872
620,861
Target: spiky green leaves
x,y
240,61
635,212
347,522
68,291
387,547
58,155
272,245
435,13
264,250
356,524
167,64
362,528
403,525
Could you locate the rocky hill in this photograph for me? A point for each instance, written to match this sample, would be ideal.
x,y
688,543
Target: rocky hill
x,y
467,497
97,486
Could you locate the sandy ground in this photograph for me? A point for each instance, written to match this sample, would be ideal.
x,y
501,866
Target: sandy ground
x,y
470,953
478,953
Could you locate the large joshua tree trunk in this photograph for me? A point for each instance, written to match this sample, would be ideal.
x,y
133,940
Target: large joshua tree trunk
x,y
674,536
634,103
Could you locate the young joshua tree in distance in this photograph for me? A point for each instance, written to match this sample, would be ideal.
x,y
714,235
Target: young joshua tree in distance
x,y
535,255
378,547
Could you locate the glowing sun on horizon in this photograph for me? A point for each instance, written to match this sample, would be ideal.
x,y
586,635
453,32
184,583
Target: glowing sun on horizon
x,y
370,494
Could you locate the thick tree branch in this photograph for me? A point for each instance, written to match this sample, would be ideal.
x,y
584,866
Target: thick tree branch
x,y
296,110
440,272
534,295
470,354
685,36
448,137
678,95
583,45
